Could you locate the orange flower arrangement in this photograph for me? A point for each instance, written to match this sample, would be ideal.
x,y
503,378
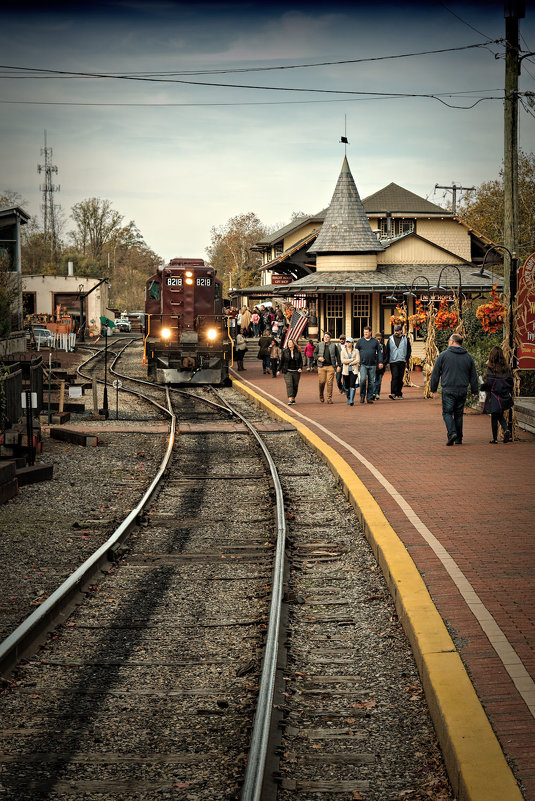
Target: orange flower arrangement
x,y
445,317
399,318
419,317
491,315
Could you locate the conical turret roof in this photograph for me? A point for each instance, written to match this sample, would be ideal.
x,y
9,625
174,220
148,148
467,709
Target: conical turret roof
x,y
346,228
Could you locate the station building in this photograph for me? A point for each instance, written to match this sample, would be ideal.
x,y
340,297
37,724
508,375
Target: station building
x,y
351,264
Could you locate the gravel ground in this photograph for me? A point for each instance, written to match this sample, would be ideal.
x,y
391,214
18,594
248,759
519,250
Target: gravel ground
x,y
50,528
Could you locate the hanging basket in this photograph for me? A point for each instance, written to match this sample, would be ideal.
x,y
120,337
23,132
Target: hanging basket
x,y
419,318
446,318
399,317
492,315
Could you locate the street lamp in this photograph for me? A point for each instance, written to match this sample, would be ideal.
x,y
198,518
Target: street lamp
x,y
512,292
410,293
439,287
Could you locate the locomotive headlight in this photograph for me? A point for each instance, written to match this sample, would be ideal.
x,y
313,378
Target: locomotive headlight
x,y
189,280
211,334
165,333
189,274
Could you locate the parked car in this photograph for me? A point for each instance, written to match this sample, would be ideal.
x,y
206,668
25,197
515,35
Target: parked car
x,y
123,324
43,336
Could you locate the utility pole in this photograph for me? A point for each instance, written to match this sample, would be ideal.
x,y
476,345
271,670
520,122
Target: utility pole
x,y
454,189
48,189
513,11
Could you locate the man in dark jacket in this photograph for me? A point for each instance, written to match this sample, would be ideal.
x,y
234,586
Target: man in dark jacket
x,y
455,368
398,357
371,359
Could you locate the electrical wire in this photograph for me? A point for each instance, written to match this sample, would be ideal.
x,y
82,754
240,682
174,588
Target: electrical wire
x,y
366,96
148,75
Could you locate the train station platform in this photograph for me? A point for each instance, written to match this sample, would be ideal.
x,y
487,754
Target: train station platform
x,y
466,516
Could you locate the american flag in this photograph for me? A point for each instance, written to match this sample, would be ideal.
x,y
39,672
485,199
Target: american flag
x,y
297,325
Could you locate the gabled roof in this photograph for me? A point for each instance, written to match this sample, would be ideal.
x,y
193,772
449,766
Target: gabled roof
x,y
388,277
15,211
346,228
276,236
396,199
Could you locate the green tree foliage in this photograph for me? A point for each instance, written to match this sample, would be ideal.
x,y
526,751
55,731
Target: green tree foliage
x,y
483,209
230,251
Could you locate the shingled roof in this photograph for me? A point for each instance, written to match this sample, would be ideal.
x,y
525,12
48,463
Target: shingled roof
x,y
397,200
346,228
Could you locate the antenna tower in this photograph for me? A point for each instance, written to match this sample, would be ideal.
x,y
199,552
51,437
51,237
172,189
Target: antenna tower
x,y
48,208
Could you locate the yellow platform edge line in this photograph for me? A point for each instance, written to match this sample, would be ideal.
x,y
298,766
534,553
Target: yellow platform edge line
x,y
476,765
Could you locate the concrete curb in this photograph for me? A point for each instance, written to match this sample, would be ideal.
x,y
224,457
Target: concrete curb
x,y
475,762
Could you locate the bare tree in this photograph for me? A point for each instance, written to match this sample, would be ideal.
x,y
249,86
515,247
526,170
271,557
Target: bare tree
x,y
96,226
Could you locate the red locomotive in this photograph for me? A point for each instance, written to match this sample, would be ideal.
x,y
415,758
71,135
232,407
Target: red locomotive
x,y
186,336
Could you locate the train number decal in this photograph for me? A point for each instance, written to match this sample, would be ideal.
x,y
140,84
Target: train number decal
x,y
173,280
203,282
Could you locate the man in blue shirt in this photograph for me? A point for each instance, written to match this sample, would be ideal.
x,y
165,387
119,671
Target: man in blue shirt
x,y
371,358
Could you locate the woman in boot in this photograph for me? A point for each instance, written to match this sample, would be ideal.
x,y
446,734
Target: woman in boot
x,y
498,385
350,357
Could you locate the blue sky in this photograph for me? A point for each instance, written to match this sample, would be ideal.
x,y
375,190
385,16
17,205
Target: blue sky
x,y
189,157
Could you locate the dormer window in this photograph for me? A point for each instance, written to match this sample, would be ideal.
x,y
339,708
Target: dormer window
x,y
398,226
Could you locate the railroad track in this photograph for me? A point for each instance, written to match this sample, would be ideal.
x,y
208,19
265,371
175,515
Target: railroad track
x,y
150,688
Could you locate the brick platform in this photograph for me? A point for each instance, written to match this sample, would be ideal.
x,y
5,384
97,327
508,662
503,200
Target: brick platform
x,y
466,514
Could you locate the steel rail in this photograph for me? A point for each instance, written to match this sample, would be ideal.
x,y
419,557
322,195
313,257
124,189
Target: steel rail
x,y
15,645
256,761
162,386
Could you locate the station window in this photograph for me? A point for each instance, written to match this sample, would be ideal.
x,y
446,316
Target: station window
x,y
334,315
361,314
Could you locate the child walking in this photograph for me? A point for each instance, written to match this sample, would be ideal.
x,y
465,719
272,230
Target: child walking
x,y
309,355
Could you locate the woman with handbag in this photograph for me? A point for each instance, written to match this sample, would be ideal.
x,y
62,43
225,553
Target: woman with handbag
x,y
241,350
290,366
350,358
498,385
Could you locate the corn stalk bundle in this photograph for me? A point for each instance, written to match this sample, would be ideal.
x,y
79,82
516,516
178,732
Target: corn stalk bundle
x,y
456,308
430,352
407,378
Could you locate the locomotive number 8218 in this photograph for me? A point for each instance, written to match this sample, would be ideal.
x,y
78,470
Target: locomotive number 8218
x,y
186,336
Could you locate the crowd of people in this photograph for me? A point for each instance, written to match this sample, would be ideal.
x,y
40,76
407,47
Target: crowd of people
x,y
360,365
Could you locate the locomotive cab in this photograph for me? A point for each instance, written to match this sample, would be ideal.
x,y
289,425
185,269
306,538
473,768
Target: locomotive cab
x,y
186,337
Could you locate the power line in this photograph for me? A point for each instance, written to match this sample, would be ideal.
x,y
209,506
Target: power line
x,y
164,75
365,96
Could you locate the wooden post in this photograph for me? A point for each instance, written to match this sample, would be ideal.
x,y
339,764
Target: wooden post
x,y
95,396
61,396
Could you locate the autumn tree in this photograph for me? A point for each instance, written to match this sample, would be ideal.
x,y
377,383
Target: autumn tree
x,y
230,250
97,224
483,209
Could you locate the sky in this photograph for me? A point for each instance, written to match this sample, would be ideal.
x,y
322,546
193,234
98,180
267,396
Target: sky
x,y
179,155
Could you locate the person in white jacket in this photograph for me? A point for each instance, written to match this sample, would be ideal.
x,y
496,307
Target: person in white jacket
x,y
350,357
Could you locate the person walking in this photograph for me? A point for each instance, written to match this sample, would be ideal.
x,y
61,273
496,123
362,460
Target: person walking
x,y
291,365
455,369
398,355
263,351
309,355
245,321
498,385
339,376
379,373
350,358
371,355
274,356
241,350
328,359
255,319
